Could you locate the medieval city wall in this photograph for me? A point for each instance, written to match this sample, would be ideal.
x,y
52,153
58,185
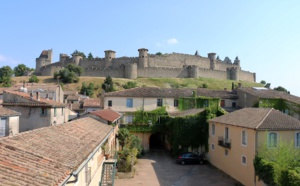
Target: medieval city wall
x,y
217,74
50,69
103,72
247,76
156,72
223,66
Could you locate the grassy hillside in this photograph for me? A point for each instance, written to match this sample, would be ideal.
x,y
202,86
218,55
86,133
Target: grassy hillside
x,y
149,82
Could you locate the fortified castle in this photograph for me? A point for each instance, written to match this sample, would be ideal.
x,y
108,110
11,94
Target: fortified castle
x,y
173,65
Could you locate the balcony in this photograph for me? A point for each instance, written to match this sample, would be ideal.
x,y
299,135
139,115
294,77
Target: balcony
x,y
223,142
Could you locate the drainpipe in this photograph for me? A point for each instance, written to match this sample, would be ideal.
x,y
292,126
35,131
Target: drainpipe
x,y
255,148
76,172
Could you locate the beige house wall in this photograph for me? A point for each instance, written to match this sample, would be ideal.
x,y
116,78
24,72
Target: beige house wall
x,y
31,117
148,104
13,125
145,137
232,164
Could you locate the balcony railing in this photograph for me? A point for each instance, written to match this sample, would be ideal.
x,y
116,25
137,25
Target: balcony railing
x,y
224,142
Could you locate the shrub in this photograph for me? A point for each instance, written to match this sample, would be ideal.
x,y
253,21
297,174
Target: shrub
x,y
34,79
130,84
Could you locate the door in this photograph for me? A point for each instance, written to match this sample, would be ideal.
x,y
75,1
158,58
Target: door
x,y
222,103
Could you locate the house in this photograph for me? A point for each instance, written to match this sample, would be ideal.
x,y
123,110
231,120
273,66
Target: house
x,y
47,91
150,98
107,116
235,139
9,123
68,154
73,98
91,104
268,98
36,112
69,92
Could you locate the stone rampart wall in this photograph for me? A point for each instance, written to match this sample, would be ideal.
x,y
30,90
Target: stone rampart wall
x,y
247,76
103,72
217,74
156,72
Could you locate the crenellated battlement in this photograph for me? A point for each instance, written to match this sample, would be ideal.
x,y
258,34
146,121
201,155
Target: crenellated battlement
x,y
148,65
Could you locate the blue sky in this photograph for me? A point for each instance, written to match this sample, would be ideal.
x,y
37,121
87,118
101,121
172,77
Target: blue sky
x,y
264,34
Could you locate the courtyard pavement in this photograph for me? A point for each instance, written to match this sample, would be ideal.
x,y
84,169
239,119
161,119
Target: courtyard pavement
x,y
158,168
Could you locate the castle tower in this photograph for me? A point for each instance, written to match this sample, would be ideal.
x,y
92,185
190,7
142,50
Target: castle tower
x,y
234,73
62,58
131,71
236,61
109,56
193,71
76,58
143,57
44,59
212,59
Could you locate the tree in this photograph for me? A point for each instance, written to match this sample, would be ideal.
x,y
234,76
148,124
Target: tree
x,y
87,90
268,85
123,136
280,88
34,79
263,82
90,56
79,53
232,86
21,69
66,76
159,53
108,85
5,76
74,68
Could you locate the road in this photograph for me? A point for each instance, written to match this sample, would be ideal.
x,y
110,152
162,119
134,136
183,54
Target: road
x,y
157,168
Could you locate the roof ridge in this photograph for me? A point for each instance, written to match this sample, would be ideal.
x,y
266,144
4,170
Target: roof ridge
x,y
264,118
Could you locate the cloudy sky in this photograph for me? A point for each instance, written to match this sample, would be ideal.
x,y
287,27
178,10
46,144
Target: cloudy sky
x,y
265,35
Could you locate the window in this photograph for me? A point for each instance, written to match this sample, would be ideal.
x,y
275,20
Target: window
x,y
128,119
55,112
213,129
226,133
43,112
62,111
129,103
159,102
205,104
222,103
212,147
2,127
297,139
175,102
244,160
110,103
272,141
226,152
244,138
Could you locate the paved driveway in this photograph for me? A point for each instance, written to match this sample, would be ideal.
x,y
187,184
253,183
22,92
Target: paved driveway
x,y
157,168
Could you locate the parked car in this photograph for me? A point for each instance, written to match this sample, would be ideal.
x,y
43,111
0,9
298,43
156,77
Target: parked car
x,y
191,158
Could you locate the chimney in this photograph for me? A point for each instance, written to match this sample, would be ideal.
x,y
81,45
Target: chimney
x,y
31,95
240,85
38,96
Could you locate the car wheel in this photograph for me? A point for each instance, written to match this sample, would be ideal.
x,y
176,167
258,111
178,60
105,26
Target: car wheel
x,y
201,162
182,163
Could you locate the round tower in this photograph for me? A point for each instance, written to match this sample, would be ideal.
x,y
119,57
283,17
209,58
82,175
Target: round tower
x,y
193,71
143,57
109,56
76,58
235,73
236,61
131,71
44,59
212,59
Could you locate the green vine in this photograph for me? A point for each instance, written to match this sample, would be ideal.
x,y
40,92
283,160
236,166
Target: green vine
x,y
198,102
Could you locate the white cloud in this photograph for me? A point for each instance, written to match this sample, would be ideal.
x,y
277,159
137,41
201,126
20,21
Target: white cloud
x,y
5,60
172,41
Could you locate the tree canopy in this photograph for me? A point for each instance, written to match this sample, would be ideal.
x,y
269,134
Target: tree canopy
x,y
108,85
79,53
87,90
21,69
74,68
90,56
5,75
280,88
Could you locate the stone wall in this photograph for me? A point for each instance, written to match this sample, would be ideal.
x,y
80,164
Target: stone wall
x,y
156,72
103,72
247,76
212,73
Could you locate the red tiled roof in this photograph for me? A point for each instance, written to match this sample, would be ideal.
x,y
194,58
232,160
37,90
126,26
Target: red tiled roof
x,y
156,92
48,155
260,119
91,102
107,114
7,112
31,101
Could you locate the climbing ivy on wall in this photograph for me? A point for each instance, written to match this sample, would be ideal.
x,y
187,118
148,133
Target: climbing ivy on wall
x,y
198,102
142,117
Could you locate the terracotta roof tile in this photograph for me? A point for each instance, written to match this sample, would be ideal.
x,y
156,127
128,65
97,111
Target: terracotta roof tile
x,y
269,93
260,119
91,102
48,155
107,114
31,101
7,112
171,93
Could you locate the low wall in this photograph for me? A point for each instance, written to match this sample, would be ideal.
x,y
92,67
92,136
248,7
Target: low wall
x,y
156,72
